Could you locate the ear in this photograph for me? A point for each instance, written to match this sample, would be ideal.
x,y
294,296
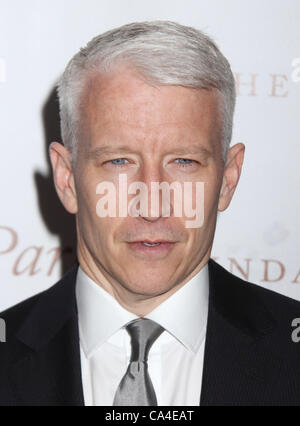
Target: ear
x,y
60,158
231,175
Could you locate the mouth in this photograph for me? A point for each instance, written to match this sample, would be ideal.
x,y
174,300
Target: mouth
x,y
156,248
154,243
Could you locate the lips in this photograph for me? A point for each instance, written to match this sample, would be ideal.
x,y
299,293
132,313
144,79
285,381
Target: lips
x,y
150,243
151,249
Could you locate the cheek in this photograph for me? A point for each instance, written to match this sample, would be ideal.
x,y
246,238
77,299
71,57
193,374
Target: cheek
x,y
200,205
211,194
91,226
86,188
87,202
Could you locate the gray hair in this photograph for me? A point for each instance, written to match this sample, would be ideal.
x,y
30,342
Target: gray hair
x,y
164,53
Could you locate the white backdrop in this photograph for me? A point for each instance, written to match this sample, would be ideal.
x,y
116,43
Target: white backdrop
x,y
257,237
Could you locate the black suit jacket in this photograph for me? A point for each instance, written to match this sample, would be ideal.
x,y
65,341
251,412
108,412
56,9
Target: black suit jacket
x,y
250,358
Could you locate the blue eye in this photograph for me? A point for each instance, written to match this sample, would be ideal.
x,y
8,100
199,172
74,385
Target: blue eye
x,y
119,161
184,161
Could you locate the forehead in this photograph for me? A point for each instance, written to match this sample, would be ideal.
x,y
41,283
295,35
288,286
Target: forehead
x,y
121,105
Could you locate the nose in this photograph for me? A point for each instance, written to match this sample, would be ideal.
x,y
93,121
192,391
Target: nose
x,y
152,176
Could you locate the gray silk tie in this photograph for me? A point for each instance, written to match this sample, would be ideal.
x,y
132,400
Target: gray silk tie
x,y
136,387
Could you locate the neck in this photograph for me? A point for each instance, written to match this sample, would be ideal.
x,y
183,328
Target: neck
x,y
138,304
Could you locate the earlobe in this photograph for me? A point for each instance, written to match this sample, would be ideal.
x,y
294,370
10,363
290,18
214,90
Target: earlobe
x,y
63,176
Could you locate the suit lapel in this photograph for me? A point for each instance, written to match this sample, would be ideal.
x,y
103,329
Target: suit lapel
x,y
48,370
239,366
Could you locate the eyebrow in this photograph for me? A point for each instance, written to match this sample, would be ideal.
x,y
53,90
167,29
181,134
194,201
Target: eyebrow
x,y
194,149
108,149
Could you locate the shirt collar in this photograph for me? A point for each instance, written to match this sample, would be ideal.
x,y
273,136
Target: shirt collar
x,y
183,315
100,315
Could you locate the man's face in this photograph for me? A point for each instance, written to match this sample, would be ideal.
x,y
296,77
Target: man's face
x,y
168,134
151,134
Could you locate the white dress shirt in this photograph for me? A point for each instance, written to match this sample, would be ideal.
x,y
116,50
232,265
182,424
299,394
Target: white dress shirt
x,y
175,360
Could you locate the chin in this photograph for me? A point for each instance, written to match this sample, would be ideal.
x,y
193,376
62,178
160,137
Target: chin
x,y
147,289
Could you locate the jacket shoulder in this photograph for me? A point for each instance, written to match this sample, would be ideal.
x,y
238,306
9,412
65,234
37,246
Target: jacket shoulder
x,y
252,295
15,316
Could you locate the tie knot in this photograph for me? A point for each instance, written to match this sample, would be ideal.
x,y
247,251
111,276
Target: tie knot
x,y
143,333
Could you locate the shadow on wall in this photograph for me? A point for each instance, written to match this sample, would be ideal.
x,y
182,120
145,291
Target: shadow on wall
x,y
57,220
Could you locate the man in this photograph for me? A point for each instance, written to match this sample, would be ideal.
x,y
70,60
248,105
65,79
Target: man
x,y
147,317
